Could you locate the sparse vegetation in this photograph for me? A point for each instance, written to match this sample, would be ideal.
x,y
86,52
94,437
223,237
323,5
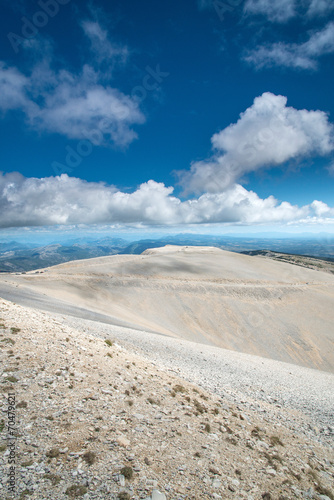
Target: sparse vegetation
x,y
22,404
127,472
53,453
2,425
8,341
257,432
25,493
12,379
89,457
153,401
123,495
28,463
179,388
108,342
15,330
275,440
76,490
199,407
54,478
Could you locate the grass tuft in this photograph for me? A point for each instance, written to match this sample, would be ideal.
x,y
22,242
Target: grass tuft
x,y
89,457
53,453
76,490
127,472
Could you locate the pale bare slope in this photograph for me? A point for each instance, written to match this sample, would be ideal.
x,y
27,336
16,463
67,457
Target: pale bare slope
x,y
85,409
243,303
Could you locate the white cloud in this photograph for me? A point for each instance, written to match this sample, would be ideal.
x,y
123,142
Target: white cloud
x,y
281,11
275,10
321,209
77,105
293,55
102,48
320,7
72,105
268,134
67,200
12,85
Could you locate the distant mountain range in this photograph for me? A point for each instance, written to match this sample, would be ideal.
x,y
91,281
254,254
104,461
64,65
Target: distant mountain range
x,y
21,257
15,257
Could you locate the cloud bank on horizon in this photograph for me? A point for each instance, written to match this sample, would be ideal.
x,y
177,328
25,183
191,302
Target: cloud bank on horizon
x,y
65,200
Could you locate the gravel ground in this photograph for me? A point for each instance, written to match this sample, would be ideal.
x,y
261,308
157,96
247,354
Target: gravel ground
x,y
83,416
301,398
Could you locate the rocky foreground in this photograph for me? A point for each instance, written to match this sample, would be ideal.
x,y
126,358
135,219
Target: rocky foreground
x,y
82,417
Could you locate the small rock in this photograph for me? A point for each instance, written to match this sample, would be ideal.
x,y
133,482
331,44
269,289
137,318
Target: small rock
x,y
123,441
156,495
216,483
215,471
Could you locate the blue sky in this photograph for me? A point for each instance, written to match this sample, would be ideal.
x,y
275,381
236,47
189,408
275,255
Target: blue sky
x,y
200,114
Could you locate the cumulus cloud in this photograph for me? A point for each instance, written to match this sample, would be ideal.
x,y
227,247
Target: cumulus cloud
x,y
269,133
68,104
75,105
68,200
281,11
275,10
294,55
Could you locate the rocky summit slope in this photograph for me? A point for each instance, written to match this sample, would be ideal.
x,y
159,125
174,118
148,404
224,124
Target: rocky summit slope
x,y
84,417
247,304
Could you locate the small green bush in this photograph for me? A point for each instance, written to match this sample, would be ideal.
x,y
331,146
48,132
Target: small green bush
x,y
54,478
27,463
76,490
8,340
123,495
89,457
179,388
22,404
275,440
53,453
127,472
